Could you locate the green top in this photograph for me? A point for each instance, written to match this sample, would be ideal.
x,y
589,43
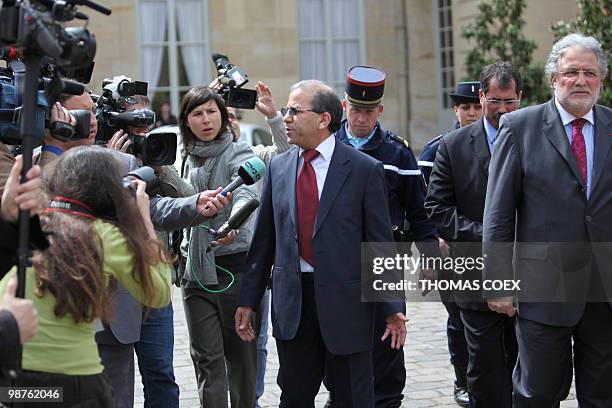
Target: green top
x,y
64,347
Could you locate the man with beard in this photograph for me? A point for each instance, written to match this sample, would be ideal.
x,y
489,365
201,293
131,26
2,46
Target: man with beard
x,y
455,202
550,184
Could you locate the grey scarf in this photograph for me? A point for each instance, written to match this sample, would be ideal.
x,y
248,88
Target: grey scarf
x,y
202,165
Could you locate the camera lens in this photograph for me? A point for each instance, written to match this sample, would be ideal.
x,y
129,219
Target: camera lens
x,y
159,149
155,148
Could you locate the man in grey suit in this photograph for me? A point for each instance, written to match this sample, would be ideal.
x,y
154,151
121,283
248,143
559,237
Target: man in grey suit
x,y
455,203
320,200
548,223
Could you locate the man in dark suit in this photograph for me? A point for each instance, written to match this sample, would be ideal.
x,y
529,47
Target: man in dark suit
x,y
455,202
320,200
548,223
467,107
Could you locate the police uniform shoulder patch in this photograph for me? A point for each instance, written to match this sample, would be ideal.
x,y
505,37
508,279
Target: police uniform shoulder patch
x,y
400,140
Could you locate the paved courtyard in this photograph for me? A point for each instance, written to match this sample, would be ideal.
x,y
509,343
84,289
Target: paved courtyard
x,y
429,373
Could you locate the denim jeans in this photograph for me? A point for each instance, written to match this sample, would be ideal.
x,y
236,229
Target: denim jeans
x,y
262,352
155,355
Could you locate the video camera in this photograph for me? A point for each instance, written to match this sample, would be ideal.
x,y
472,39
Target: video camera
x,y
49,90
232,79
35,27
117,95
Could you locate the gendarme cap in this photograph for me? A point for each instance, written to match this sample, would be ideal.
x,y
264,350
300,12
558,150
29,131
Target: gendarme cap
x,y
365,86
466,92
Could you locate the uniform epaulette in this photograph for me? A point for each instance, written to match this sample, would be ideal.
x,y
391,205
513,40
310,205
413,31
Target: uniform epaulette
x,y
400,139
435,139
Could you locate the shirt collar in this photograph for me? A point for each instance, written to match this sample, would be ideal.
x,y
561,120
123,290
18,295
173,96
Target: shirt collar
x,y
56,150
358,141
325,148
489,130
567,118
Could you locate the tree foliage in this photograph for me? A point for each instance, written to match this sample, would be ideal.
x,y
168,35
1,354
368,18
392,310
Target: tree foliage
x,y
497,33
594,19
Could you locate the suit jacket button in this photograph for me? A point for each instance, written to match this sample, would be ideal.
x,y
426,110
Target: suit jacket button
x,y
588,218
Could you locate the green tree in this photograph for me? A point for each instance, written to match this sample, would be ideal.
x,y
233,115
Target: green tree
x,y
497,32
594,19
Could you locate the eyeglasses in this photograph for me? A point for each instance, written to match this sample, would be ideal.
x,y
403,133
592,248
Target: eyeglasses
x,y
494,103
292,110
573,73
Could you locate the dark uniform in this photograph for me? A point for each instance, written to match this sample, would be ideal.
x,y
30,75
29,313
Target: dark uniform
x,y
428,155
406,196
405,186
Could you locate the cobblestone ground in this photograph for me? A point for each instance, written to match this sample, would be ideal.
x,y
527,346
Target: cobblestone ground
x,y
429,373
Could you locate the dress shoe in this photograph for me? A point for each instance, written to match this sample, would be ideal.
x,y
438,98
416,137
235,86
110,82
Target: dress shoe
x,y
461,396
330,402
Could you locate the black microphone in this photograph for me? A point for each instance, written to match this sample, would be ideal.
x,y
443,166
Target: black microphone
x,y
235,221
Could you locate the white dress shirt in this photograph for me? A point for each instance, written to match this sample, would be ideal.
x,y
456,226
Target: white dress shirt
x,y
588,131
320,164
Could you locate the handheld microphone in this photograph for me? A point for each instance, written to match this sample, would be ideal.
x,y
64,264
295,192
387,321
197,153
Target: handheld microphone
x,y
235,221
249,173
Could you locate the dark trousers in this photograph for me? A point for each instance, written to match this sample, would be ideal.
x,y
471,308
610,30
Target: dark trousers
x,y
492,349
389,367
155,357
79,391
118,362
543,374
304,360
455,334
220,358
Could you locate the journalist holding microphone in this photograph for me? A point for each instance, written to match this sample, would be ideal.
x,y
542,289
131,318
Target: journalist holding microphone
x,y
212,280
99,235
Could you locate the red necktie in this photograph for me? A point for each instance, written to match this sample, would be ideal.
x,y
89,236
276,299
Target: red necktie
x,y
307,205
579,148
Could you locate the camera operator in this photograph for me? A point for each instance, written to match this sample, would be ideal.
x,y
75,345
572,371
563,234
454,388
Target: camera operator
x,y
52,146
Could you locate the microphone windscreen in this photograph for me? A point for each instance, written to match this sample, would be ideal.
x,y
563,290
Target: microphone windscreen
x,y
252,170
